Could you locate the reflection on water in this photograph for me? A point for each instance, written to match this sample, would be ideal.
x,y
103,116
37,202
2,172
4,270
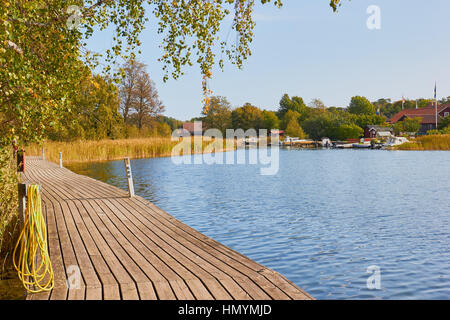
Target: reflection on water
x,y
104,171
322,220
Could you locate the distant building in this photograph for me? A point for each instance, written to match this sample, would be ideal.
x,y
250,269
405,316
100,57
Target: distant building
x,y
378,132
428,115
194,128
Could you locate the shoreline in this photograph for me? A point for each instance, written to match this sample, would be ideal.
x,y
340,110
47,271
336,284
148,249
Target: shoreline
x,y
90,151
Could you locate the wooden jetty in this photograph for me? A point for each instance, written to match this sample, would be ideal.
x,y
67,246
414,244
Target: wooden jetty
x,y
128,248
302,143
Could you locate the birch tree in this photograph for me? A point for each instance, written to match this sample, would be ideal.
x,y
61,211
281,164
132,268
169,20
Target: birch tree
x,y
43,49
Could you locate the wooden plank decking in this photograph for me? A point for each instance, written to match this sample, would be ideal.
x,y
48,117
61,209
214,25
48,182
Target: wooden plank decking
x,y
130,249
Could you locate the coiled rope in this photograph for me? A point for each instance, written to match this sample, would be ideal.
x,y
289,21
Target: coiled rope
x,y
33,263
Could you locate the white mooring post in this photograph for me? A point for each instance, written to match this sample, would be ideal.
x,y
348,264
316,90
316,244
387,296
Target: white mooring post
x,y
22,195
129,177
60,160
43,154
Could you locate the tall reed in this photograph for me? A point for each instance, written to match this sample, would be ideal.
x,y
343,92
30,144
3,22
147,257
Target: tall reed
x,y
431,142
106,150
9,226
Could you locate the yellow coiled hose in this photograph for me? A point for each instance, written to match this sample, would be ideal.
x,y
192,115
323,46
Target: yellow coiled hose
x,y
33,262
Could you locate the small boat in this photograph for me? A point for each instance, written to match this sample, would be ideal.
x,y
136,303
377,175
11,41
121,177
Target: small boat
x,y
326,143
343,145
361,145
395,141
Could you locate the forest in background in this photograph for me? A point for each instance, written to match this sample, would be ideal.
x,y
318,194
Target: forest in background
x,y
104,110
133,109
315,120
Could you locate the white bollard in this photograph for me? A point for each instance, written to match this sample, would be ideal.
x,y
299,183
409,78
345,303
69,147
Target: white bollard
x,y
60,160
43,154
22,195
129,177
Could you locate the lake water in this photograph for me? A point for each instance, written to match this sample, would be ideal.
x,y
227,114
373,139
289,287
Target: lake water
x,y
322,220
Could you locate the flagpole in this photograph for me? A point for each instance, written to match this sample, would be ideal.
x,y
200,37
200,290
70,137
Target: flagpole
x,y
435,103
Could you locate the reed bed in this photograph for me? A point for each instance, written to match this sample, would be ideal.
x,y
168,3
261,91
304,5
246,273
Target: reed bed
x,y
431,142
108,150
9,223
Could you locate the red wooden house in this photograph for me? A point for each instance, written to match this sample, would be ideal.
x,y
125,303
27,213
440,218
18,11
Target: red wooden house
x,y
428,115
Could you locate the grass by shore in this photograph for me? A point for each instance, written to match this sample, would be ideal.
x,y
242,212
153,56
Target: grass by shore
x,y
107,150
431,142
9,226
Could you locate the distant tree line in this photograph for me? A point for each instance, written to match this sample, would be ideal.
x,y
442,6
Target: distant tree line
x,y
313,120
132,108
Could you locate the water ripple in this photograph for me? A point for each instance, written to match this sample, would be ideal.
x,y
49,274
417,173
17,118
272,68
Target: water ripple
x,y
322,220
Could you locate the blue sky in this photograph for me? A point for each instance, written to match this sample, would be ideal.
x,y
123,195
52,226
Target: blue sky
x,y
305,49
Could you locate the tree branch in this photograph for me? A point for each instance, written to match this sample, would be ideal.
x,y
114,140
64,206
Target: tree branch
x,y
88,11
14,46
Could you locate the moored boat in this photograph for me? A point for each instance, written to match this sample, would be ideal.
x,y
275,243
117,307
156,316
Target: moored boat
x,y
343,145
361,145
395,141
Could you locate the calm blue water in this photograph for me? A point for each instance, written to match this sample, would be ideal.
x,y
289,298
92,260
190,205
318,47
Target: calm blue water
x,y
322,220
